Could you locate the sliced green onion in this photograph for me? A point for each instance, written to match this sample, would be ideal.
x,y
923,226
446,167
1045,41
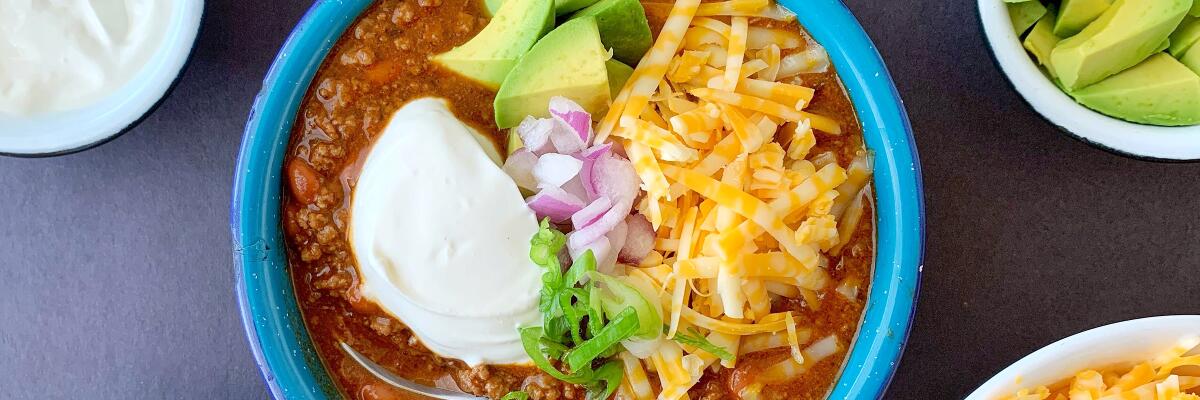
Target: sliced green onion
x,y
543,251
628,296
610,374
566,302
697,340
530,341
595,309
574,306
517,395
553,349
624,325
579,268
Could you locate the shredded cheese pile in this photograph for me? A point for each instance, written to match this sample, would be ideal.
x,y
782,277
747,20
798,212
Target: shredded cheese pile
x,y
740,216
1173,376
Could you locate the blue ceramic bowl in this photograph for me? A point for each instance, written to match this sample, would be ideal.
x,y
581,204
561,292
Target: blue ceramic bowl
x,y
271,316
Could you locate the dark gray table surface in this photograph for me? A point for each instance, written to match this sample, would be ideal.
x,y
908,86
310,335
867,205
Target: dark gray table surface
x,y
115,275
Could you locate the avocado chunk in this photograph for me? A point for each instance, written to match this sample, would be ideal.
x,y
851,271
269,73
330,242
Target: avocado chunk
x,y
1195,9
561,7
1123,36
494,51
1074,15
1159,91
623,28
1185,36
1025,14
1192,59
1041,41
618,74
568,62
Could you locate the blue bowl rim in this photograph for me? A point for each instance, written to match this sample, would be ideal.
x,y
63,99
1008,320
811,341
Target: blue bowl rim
x,y
276,333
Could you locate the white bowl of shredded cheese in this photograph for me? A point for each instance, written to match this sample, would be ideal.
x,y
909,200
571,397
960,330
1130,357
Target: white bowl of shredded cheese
x,y
76,73
1160,343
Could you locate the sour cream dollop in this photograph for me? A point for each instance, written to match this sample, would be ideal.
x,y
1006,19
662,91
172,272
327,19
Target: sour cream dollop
x,y
58,55
441,235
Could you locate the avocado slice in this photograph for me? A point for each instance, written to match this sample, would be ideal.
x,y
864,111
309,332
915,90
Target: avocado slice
x,y
561,7
1041,41
494,51
623,28
569,62
1159,91
1192,59
1025,14
618,74
1074,15
1185,36
1123,36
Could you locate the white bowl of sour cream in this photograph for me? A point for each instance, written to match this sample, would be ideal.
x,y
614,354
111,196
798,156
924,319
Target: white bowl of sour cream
x,y
75,73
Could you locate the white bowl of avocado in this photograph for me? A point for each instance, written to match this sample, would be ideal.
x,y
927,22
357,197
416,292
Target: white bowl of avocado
x,y
1123,75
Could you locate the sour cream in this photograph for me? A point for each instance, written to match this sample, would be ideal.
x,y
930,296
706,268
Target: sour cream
x,y
58,55
441,236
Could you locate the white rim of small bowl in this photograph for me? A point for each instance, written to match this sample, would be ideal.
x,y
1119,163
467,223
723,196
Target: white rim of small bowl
x,y
1147,142
76,130
1130,341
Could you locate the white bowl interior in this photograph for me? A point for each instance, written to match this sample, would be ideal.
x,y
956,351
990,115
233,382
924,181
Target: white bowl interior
x,y
68,130
1169,143
1120,343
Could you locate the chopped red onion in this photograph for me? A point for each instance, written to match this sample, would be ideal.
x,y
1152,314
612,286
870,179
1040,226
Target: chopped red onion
x,y
596,151
519,166
535,134
639,240
573,115
617,237
553,169
604,252
591,213
589,156
564,138
613,176
554,203
601,226
575,187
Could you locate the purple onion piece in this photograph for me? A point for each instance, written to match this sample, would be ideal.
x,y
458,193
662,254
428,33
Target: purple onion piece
x,y
554,203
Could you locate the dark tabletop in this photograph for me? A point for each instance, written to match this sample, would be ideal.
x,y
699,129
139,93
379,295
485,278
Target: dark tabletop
x,y
116,282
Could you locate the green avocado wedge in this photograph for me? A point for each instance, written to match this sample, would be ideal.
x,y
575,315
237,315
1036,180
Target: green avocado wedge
x,y
1025,14
623,28
1041,41
561,7
1192,59
1123,36
1185,36
493,52
1074,15
569,61
618,74
1158,91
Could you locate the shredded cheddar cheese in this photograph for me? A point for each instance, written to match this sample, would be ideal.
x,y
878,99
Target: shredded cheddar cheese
x,y
744,210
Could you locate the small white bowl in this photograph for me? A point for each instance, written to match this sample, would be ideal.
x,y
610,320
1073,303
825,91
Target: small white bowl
x,y
1128,342
76,130
1125,138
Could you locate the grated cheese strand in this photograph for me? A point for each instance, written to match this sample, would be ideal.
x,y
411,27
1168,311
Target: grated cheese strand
x,y
670,148
731,7
743,203
736,52
650,70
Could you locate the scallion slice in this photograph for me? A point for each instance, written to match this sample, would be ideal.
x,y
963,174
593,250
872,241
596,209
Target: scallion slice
x,y
621,327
